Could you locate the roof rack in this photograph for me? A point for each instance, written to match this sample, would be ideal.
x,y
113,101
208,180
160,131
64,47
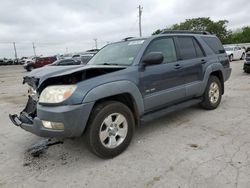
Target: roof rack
x,y
186,31
127,38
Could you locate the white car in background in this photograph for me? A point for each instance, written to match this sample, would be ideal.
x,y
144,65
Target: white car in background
x,y
235,52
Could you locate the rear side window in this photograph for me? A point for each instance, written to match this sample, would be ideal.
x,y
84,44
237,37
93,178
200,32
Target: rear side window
x,y
189,48
215,44
199,52
166,46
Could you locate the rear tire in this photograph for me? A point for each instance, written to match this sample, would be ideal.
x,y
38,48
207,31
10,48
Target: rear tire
x,y
110,129
231,57
247,70
213,93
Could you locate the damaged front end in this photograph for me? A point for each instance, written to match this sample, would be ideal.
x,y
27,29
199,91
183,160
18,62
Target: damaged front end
x,y
62,119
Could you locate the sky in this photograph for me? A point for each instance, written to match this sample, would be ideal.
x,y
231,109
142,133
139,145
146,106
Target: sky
x,y
60,26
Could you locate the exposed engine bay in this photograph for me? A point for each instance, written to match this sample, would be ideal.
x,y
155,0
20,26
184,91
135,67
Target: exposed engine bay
x,y
71,78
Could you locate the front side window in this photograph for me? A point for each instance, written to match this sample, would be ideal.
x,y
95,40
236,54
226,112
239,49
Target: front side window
x,y
166,46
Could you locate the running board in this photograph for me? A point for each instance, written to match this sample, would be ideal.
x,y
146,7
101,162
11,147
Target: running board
x,y
160,113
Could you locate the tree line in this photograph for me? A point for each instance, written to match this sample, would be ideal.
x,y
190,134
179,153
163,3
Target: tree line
x,y
218,28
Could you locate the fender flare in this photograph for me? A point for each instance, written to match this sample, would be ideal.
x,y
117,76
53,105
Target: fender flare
x,y
116,88
210,69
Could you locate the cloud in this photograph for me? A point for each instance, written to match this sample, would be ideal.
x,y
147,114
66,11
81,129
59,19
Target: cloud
x,y
59,24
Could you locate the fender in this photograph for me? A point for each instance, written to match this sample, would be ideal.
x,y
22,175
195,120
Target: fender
x,y
210,69
115,88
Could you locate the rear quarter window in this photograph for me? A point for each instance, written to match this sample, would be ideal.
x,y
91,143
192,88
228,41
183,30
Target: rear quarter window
x,y
215,44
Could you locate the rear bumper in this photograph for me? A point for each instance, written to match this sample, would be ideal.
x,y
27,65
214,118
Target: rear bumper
x,y
246,65
227,73
73,117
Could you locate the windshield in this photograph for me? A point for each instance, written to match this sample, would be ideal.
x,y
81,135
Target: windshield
x,y
122,53
229,48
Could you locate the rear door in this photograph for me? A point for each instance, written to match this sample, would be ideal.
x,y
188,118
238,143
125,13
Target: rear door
x,y
192,62
161,85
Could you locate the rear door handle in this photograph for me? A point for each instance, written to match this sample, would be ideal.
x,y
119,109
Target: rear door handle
x,y
177,66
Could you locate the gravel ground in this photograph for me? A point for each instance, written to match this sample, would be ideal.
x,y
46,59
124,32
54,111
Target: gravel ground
x,y
189,148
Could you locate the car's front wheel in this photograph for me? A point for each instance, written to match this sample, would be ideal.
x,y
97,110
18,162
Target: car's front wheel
x,y
110,129
30,68
212,94
242,56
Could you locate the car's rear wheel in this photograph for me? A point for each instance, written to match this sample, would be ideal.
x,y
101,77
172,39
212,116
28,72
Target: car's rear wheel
x,y
231,57
247,70
213,93
110,129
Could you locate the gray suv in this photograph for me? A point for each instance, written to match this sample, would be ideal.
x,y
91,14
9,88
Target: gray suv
x,y
124,84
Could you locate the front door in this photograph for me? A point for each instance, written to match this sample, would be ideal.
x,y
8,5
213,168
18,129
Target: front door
x,y
162,85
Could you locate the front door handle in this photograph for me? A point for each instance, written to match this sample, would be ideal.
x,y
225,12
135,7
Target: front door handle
x,y
177,66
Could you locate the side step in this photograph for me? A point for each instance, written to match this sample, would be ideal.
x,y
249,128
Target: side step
x,y
160,113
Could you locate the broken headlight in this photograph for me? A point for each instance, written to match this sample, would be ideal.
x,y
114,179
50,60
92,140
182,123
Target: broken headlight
x,y
56,94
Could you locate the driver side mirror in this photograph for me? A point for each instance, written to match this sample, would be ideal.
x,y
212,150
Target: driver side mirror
x,y
153,58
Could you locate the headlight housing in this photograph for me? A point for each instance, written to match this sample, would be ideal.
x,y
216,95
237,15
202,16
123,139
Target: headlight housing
x,y
56,94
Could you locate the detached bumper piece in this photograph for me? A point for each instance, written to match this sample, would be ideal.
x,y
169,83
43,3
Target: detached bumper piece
x,y
26,115
19,120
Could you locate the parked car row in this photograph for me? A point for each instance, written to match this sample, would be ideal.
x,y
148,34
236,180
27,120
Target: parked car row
x,y
68,59
6,61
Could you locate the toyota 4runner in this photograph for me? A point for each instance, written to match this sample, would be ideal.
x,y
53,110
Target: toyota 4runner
x,y
124,84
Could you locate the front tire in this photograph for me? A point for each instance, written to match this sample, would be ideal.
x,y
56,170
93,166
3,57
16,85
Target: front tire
x,y
213,94
242,56
30,68
110,129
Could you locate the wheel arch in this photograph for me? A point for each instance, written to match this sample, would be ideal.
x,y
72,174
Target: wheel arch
x,y
219,75
125,92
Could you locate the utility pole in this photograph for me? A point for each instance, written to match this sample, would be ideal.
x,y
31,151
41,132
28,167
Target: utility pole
x,y
95,43
14,44
34,48
140,13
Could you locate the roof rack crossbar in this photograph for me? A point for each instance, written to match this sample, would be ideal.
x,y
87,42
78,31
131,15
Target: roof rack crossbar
x,y
185,31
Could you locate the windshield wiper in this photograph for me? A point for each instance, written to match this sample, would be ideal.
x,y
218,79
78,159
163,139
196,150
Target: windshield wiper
x,y
110,64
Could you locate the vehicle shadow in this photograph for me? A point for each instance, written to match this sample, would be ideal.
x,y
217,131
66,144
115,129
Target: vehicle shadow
x,y
75,152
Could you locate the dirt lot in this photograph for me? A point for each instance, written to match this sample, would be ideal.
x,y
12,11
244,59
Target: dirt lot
x,y
190,148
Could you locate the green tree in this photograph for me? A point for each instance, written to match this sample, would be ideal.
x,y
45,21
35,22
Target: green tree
x,y
218,28
239,36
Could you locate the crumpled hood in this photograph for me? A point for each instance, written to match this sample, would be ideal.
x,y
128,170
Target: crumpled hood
x,y
47,71
38,76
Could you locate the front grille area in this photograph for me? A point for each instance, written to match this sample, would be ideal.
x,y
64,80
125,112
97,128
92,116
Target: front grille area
x,y
30,108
